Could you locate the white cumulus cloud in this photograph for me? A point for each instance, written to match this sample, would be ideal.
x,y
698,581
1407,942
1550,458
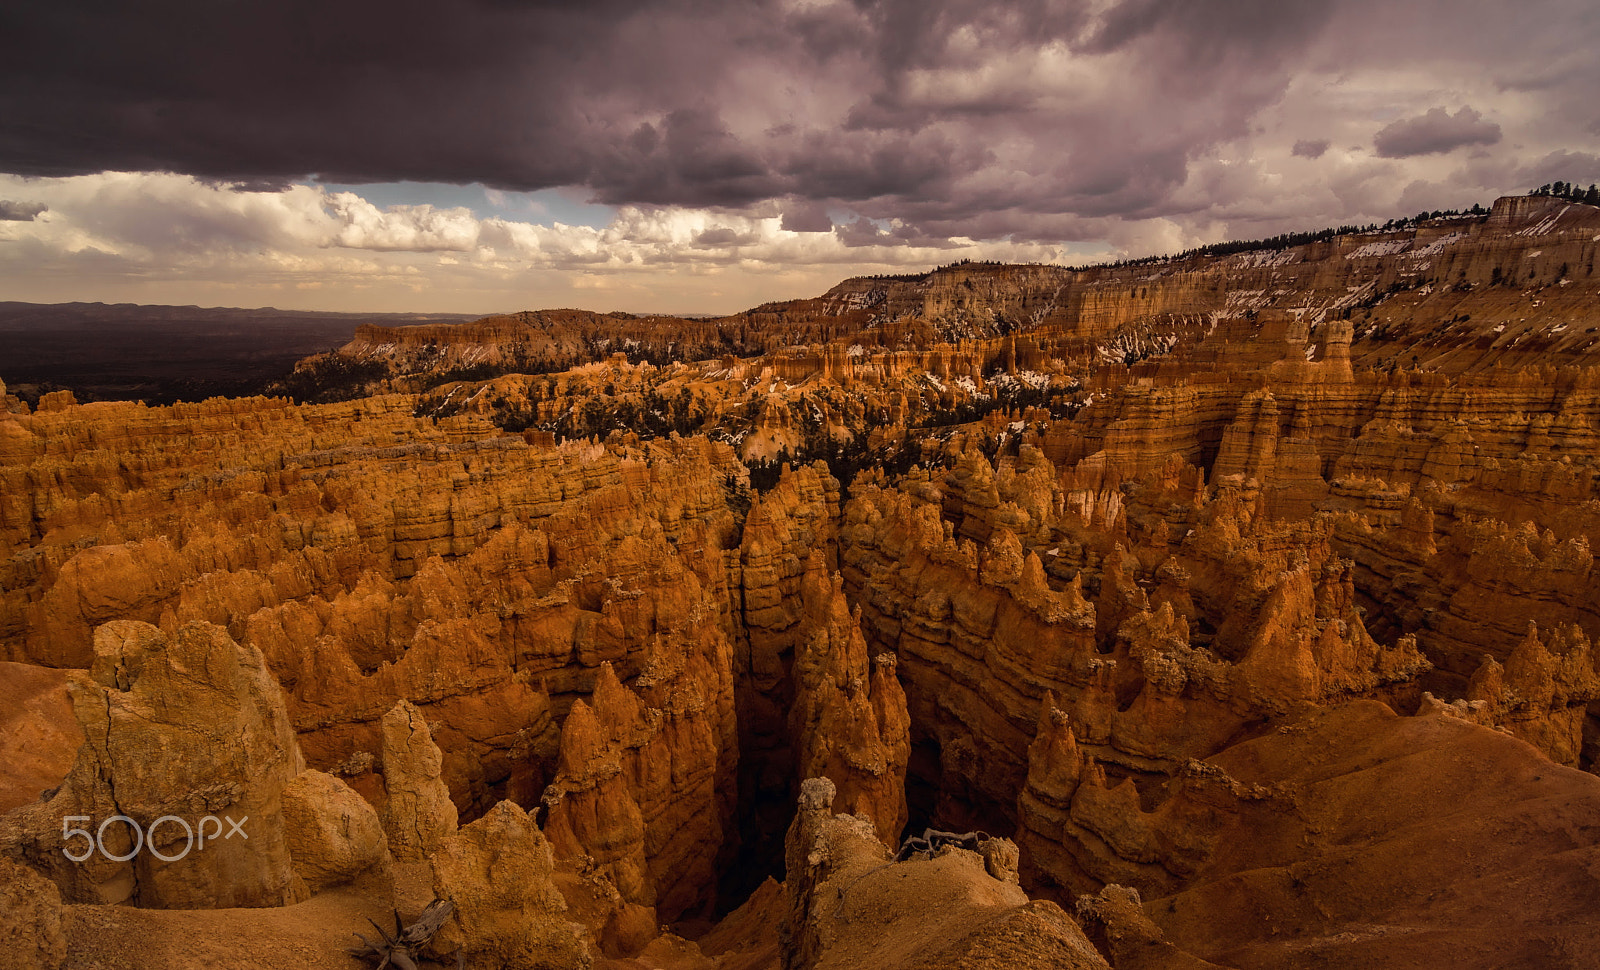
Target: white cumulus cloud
x,y
165,238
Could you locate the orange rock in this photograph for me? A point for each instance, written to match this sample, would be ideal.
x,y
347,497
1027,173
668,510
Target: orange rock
x,y
189,726
39,737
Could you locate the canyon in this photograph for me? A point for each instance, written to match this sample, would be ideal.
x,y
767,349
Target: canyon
x,y
1226,610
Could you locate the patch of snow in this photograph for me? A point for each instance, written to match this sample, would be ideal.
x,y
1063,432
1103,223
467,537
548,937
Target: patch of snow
x,y
1383,247
860,301
967,384
1138,345
1250,299
1546,226
1265,259
1352,295
1006,383
1433,248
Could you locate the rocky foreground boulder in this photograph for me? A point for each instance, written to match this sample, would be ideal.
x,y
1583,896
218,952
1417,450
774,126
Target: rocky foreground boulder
x,y
508,912
334,835
31,937
850,903
187,738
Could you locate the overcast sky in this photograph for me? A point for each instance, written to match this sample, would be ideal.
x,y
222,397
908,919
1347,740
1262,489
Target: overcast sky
x,y
708,155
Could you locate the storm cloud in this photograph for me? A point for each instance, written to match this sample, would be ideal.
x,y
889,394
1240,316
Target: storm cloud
x,y
20,211
1435,132
1099,108
1128,124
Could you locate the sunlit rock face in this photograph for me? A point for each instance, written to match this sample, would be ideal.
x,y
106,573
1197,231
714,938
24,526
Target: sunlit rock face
x,y
1231,601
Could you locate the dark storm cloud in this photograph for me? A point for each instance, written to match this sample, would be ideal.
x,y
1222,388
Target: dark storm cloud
x,y
625,95
20,211
1434,132
1208,31
253,90
807,217
863,232
947,114
689,159
723,236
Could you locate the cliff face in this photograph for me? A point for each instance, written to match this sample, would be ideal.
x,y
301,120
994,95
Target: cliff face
x,y
1118,565
1454,294
1175,647
487,582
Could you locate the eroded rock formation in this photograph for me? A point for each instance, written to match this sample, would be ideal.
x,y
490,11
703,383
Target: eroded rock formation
x,y
190,729
1129,569
417,810
851,905
508,913
335,837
